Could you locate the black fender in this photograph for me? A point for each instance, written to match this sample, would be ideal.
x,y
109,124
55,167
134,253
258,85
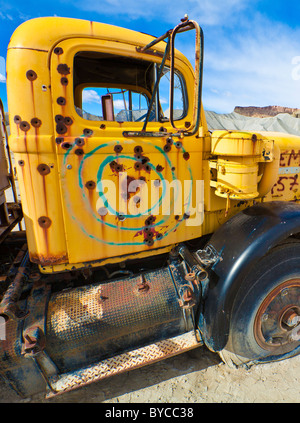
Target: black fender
x,y
240,243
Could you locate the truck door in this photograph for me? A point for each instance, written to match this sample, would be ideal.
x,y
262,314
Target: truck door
x,y
124,189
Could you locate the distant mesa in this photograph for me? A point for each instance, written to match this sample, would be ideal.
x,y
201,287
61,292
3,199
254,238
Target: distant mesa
x,y
268,111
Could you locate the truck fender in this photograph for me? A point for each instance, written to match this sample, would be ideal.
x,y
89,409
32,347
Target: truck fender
x,y
240,243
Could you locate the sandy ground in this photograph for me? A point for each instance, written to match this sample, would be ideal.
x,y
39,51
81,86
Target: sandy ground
x,y
197,376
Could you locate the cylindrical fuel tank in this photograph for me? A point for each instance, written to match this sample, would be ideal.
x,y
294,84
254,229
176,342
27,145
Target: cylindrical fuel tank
x,y
94,322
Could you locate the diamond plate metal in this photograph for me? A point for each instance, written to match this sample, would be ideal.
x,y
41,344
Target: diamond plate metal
x,y
123,363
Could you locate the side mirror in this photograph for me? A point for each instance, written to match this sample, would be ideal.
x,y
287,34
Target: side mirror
x,y
188,25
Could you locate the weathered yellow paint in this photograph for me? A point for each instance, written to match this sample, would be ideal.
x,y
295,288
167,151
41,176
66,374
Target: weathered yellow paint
x,y
61,207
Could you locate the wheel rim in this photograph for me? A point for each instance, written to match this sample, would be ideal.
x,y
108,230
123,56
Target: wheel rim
x,y
277,322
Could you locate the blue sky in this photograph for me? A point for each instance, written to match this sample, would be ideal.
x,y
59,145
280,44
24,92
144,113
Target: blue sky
x,y
252,47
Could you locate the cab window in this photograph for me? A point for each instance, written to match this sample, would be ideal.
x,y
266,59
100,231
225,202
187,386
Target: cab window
x,y
115,88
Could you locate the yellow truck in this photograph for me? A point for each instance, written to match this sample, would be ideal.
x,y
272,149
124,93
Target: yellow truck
x,y
146,235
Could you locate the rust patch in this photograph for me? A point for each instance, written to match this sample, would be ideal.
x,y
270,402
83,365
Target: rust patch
x,y
63,69
31,75
44,222
43,169
49,259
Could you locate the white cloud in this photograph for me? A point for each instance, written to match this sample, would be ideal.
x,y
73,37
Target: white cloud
x,y
90,96
2,69
255,66
207,11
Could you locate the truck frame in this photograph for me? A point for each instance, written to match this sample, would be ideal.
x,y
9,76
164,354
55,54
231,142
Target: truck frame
x,y
146,235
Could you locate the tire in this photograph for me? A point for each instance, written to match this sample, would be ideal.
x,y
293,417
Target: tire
x,y
265,322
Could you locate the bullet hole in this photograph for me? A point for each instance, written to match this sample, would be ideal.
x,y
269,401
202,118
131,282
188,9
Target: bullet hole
x,y
80,142
17,119
102,126
87,132
149,220
59,118
173,168
90,185
142,178
61,101
178,144
44,222
119,168
254,138
63,69
64,81
138,166
68,121
159,236
61,128
149,241
169,141
138,149
159,168
121,217
113,165
66,145
31,75
79,152
147,167
21,162
118,148
186,155
43,169
186,216
187,124
167,148
145,160
58,51
35,122
59,140
162,129
24,126
177,217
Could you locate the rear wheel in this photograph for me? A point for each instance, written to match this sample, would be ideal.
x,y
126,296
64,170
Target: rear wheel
x,y
265,322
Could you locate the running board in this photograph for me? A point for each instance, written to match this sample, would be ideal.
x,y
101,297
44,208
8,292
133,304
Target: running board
x,y
122,363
